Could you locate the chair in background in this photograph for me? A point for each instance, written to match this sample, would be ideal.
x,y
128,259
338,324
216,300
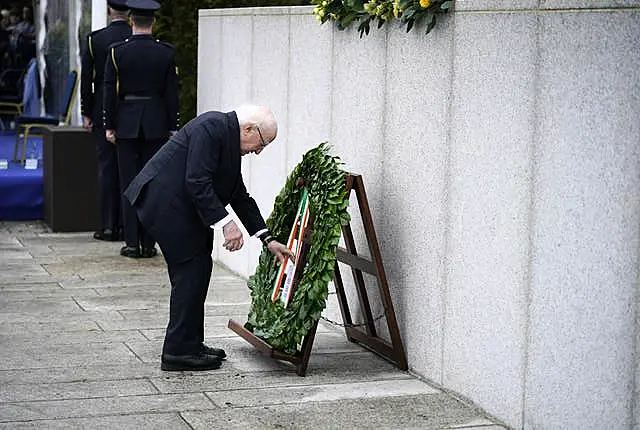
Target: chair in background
x,y
25,125
11,92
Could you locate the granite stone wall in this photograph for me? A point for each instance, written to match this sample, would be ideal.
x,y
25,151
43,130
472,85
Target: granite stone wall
x,y
501,156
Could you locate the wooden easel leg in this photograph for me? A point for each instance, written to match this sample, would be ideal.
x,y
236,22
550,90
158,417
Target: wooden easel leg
x,y
361,289
307,345
342,300
381,276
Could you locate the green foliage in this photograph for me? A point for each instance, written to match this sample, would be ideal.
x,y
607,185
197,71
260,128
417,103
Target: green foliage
x,y
177,23
284,329
410,12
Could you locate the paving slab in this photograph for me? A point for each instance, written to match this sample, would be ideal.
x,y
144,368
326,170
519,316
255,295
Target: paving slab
x,y
30,326
48,293
37,356
230,379
144,421
82,373
320,393
74,390
101,281
115,405
476,423
10,255
46,286
46,306
123,302
424,412
72,339
42,315
81,332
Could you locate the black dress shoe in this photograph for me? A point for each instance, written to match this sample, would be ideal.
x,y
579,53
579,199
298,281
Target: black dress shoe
x,y
108,235
99,235
189,362
216,352
105,234
148,252
130,251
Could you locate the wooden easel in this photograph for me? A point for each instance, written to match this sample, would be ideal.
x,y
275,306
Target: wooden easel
x,y
394,351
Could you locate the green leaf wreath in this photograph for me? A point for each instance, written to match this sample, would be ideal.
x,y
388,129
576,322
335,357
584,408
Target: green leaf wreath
x,y
285,329
366,12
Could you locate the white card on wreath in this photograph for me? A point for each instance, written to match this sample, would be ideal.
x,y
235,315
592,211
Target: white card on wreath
x,y
31,163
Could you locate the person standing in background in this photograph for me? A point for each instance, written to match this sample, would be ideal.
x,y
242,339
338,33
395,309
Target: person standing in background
x,y
94,57
140,110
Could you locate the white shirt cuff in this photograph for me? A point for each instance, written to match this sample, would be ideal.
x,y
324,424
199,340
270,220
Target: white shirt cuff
x,y
259,232
222,222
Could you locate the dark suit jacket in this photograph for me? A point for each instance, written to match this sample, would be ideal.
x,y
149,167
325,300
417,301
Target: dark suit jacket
x,y
141,67
184,188
93,61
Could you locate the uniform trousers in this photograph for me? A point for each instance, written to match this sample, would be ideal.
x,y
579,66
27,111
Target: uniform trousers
x,y
133,154
189,285
108,182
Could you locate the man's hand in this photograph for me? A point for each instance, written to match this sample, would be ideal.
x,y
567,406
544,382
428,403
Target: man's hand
x,y
111,136
279,251
232,236
87,123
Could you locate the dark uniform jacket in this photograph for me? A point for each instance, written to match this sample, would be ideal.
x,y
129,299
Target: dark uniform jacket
x,y
93,61
141,88
184,188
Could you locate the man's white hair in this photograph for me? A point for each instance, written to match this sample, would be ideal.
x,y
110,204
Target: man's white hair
x,y
261,116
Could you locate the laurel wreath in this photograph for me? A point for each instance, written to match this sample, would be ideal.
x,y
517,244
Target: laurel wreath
x,y
285,328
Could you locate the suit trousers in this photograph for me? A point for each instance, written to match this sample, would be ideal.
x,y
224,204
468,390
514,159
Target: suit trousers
x,y
133,154
108,182
189,285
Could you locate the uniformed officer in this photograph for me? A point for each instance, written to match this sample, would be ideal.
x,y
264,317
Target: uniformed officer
x,y
91,95
140,109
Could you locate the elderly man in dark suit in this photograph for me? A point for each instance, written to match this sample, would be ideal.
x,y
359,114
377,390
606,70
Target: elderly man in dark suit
x,y
180,196
141,109
94,56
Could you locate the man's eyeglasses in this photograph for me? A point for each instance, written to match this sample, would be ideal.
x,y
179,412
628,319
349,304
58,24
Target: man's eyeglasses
x,y
264,144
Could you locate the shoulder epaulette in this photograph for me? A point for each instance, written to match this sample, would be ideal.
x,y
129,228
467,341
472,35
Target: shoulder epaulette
x,y
118,44
94,32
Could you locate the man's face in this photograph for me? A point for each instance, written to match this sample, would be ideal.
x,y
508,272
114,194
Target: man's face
x,y
253,140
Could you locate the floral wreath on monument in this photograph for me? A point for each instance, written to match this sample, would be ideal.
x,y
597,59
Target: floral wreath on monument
x,y
281,323
409,12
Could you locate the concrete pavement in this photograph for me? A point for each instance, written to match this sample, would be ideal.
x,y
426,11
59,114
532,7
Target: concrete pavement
x,y
81,331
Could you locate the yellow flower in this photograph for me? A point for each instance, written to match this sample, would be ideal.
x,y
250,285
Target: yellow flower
x,y
425,3
396,9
